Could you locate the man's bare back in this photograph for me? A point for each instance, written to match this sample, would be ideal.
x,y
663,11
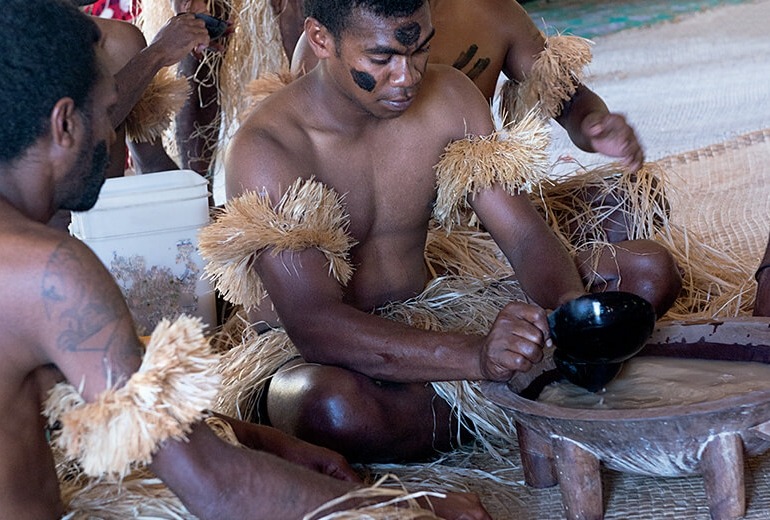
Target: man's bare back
x,y
45,309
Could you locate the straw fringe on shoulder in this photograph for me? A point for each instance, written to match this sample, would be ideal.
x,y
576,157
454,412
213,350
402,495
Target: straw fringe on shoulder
x,y
309,215
122,428
267,84
554,78
153,114
516,158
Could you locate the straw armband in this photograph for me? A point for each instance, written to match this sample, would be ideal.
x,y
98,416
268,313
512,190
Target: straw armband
x,y
122,427
515,158
553,79
266,84
309,215
162,99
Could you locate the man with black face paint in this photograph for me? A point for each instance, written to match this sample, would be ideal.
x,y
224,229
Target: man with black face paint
x,y
485,38
332,182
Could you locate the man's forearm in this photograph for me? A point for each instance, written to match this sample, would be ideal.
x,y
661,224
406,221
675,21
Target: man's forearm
x,y
132,80
584,102
385,349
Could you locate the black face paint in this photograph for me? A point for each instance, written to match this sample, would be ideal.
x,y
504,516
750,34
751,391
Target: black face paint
x,y
364,80
408,34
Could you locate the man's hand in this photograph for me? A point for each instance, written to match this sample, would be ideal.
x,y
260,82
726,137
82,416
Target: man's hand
x,y
611,135
180,36
294,450
515,341
460,506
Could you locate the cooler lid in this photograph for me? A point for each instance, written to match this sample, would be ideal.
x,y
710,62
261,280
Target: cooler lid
x,y
151,188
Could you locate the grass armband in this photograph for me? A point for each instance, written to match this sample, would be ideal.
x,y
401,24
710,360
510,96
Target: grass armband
x,y
309,215
554,78
515,158
122,427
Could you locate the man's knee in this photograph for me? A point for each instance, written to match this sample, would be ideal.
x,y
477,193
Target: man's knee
x,y
325,405
650,270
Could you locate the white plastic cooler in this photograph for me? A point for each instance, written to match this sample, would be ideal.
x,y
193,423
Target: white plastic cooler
x,y
144,228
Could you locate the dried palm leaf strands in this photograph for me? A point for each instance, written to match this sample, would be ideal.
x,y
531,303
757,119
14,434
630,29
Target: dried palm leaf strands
x,y
379,502
266,84
579,207
247,366
553,79
255,47
466,250
153,115
516,158
308,215
122,427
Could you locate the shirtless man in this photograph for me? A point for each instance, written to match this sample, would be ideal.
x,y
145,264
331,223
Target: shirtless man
x,y
202,109
134,64
370,122
489,37
63,317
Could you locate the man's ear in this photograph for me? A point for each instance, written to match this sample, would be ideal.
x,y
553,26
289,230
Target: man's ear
x,y
65,123
319,38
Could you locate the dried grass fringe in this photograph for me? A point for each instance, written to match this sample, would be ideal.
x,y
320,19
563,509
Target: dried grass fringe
x,y
308,215
450,303
714,283
389,503
122,427
553,79
267,84
155,111
515,158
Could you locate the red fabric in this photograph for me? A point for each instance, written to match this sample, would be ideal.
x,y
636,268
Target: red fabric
x,y
125,10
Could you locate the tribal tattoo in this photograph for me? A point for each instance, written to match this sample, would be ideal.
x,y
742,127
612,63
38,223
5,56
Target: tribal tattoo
x,y
75,305
465,58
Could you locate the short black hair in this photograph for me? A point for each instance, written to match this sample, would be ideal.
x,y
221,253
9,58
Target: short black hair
x,y
48,53
334,14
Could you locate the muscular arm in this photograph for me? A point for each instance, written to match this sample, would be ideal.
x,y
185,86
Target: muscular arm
x,y
90,337
585,117
181,35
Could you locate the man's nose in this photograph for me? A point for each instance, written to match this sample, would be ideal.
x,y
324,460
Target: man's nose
x,y
405,74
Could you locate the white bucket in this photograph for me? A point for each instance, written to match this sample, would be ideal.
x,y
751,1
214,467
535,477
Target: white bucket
x,y
144,228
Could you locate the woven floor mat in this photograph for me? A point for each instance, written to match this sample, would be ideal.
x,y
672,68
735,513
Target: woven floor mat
x,y
502,489
722,193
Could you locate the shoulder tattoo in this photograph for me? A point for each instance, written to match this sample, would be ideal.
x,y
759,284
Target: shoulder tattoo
x,y
76,305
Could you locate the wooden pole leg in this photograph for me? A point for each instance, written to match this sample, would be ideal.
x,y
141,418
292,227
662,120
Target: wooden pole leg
x,y
536,458
722,469
580,481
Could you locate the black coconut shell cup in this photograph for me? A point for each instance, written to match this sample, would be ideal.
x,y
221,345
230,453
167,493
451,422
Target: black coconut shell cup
x,y
595,333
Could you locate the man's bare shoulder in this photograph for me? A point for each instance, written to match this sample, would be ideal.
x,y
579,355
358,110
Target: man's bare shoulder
x,y
273,143
456,101
34,259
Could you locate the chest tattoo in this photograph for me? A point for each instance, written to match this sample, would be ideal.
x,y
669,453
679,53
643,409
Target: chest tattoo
x,y
465,58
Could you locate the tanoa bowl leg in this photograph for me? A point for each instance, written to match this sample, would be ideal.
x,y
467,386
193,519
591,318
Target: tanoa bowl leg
x,y
580,481
722,468
536,458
